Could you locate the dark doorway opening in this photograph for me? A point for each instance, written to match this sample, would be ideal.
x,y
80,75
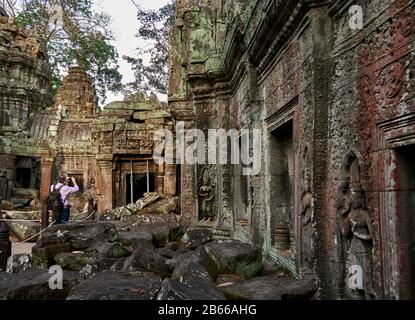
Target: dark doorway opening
x,y
23,178
406,220
139,186
282,188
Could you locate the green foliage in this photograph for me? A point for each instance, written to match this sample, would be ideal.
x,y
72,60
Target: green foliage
x,y
154,29
74,35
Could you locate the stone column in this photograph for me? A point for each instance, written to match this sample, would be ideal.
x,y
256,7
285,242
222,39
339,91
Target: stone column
x,y
104,186
45,177
188,184
170,179
159,183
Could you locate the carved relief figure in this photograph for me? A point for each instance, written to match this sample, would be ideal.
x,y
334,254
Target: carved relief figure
x,y
356,225
206,198
306,221
91,193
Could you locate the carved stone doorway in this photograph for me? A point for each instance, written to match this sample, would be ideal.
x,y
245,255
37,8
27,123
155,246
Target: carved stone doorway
x,y
282,186
139,167
406,220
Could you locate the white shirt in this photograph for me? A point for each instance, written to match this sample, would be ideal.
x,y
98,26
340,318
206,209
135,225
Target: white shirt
x,y
65,192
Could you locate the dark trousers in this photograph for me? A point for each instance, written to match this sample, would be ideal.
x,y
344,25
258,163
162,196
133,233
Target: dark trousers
x,y
65,215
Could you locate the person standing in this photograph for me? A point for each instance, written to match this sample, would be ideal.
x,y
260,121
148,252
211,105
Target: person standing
x,y
66,187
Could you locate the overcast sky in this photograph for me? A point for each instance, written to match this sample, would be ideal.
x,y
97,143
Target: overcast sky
x,y
125,26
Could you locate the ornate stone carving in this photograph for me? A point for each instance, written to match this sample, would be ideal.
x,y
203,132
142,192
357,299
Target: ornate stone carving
x,y
306,220
356,225
135,140
206,197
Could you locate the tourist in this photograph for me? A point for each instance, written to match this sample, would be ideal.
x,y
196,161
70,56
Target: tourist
x,y
67,186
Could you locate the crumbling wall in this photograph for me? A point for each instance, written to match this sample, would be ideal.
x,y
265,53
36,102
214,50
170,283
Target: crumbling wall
x,y
25,96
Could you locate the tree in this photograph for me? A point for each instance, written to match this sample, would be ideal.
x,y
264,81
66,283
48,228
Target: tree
x,y
73,34
154,29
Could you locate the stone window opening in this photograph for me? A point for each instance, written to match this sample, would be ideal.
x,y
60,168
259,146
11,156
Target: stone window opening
x,y
23,178
27,173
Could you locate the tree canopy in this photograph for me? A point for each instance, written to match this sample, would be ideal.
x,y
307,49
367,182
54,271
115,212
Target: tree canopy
x,y
154,30
74,34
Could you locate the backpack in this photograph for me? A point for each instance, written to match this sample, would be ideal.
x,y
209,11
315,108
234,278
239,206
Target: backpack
x,y
54,200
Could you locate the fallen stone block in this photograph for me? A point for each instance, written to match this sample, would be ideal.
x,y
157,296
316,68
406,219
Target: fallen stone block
x,y
44,256
235,257
80,235
111,285
25,230
149,198
132,207
22,215
118,251
196,237
121,212
139,219
186,256
19,262
74,261
162,233
34,285
100,265
145,258
173,290
162,206
131,240
271,288
197,277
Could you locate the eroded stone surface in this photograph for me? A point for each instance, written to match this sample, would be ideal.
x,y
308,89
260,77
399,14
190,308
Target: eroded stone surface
x,y
19,262
145,258
197,277
34,285
111,285
196,237
172,290
271,288
235,257
74,261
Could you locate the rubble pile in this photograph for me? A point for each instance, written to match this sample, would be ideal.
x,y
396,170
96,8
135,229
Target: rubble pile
x,y
146,260
151,205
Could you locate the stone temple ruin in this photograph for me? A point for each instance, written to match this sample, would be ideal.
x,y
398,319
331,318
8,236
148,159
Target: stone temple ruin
x,y
335,193
336,109
100,148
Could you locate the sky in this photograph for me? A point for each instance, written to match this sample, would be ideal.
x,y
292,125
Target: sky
x,y
125,26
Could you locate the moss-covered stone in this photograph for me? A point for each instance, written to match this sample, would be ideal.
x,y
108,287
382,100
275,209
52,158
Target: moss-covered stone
x,y
75,261
235,257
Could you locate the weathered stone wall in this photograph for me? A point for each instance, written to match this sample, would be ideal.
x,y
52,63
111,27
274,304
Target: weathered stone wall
x,y
124,140
370,118
76,109
24,100
75,137
335,107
